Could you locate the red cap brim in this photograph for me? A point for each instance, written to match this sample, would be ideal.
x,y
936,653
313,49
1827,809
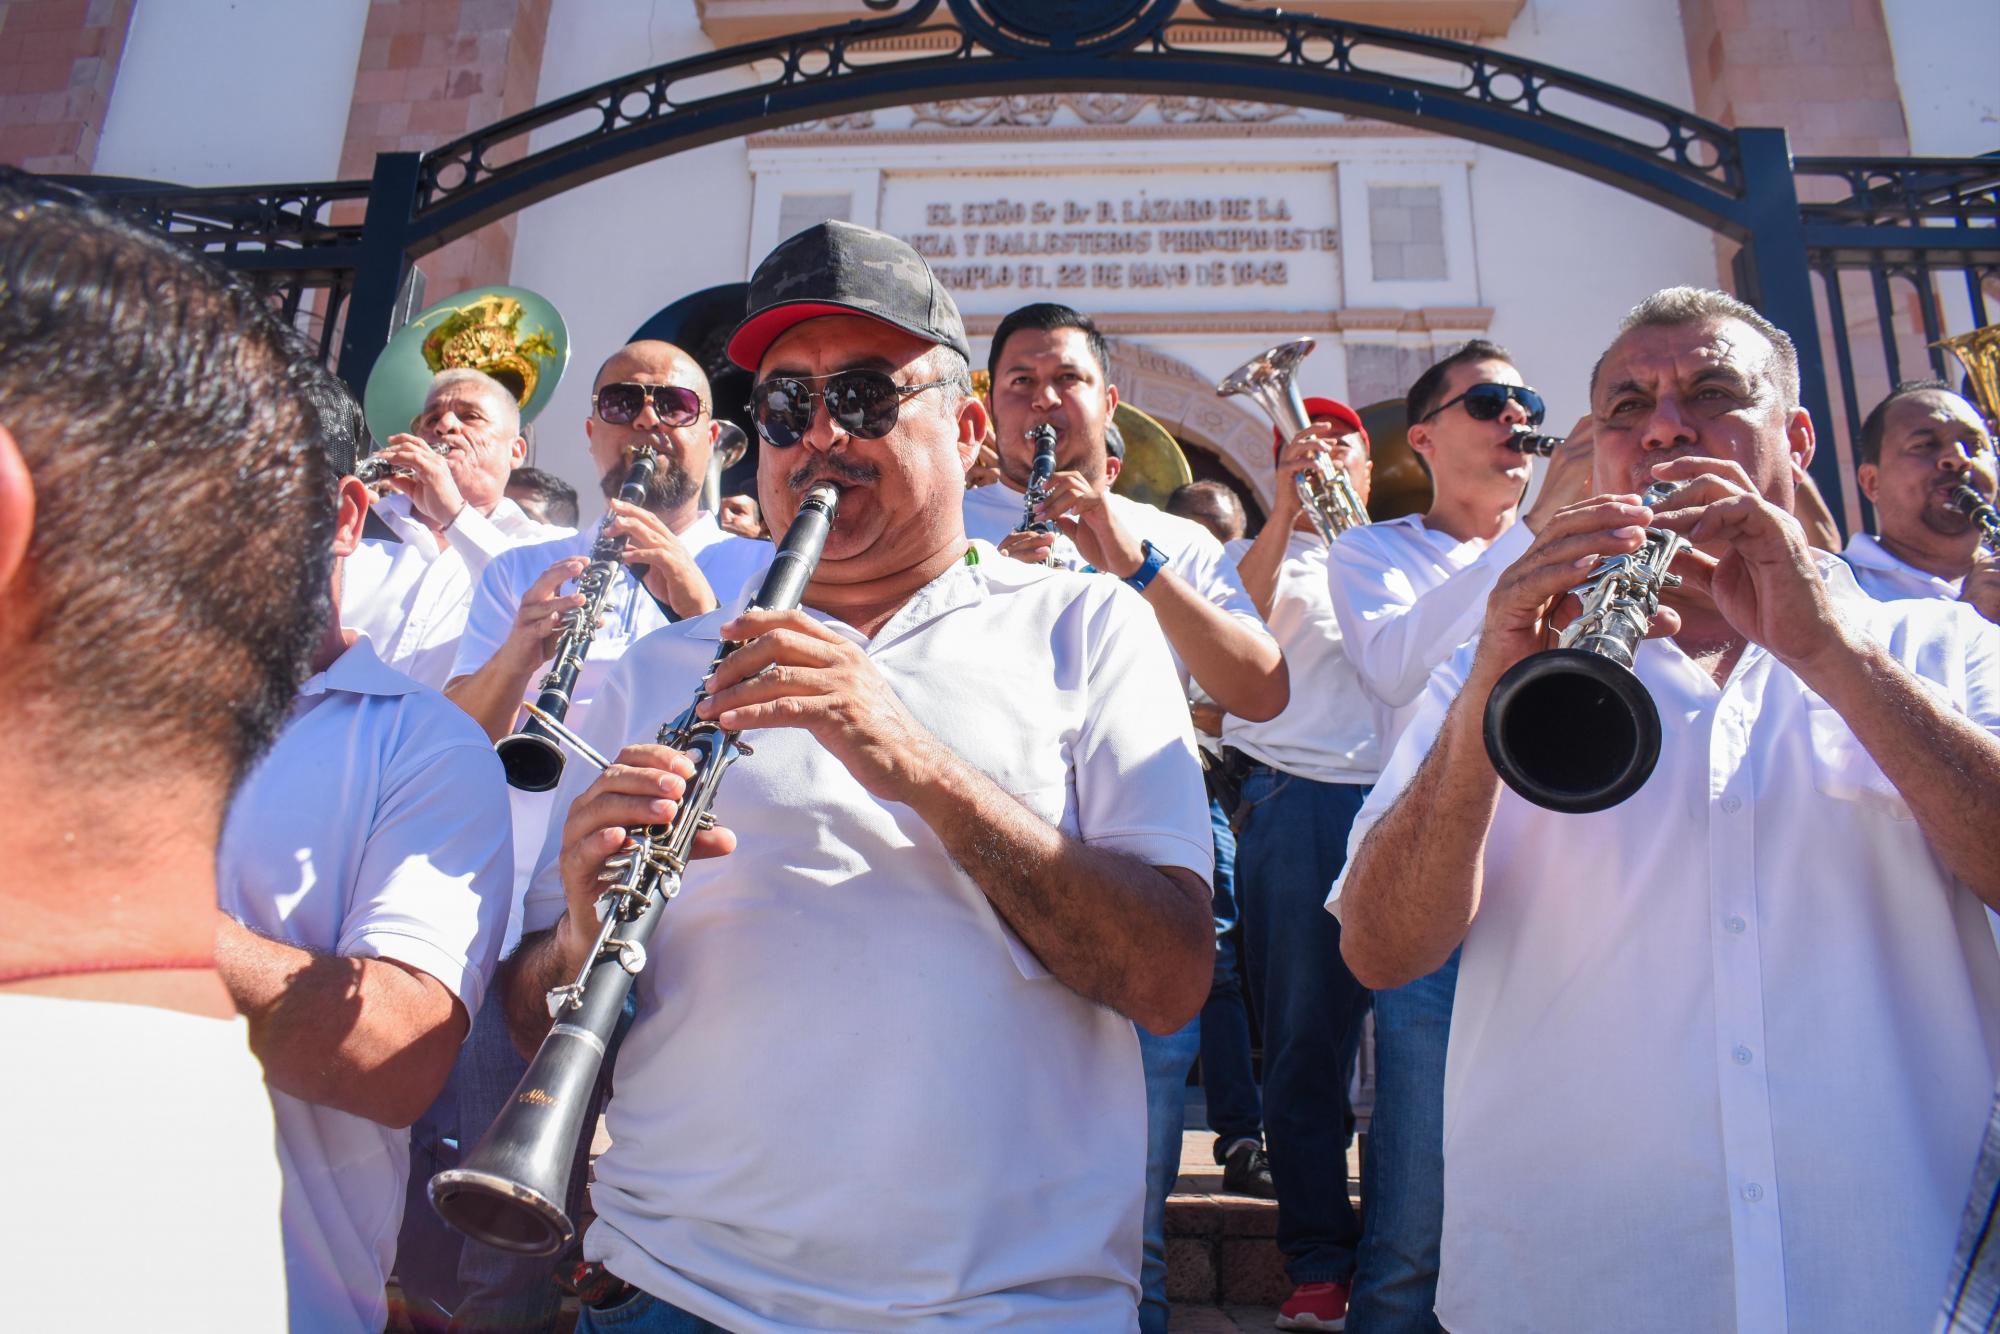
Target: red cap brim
x,y
753,337
1332,409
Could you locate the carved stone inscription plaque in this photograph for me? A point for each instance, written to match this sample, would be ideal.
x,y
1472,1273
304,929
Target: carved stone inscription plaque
x,y
1162,241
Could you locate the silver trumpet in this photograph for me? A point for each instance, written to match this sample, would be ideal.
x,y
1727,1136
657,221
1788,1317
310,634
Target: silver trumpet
x,y
1572,728
375,470
1981,511
1270,379
1526,441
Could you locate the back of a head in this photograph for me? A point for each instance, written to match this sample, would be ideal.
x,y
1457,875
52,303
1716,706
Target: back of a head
x,y
1213,505
178,573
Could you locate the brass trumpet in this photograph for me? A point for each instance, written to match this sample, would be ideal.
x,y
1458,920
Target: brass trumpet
x,y
1270,379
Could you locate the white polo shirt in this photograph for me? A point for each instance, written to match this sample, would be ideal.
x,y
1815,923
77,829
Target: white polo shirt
x,y
1191,550
1883,575
376,828
1406,596
141,1171
410,597
1327,731
852,1098
1722,1054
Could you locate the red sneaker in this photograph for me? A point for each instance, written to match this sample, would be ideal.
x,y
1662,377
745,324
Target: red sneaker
x,y
1315,1306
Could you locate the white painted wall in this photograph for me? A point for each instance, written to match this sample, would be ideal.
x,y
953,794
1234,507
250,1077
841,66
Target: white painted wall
x,y
231,92
1948,65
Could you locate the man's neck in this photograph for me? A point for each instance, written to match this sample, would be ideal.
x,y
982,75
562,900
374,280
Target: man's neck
x,y
679,520
1471,516
110,893
1930,557
869,606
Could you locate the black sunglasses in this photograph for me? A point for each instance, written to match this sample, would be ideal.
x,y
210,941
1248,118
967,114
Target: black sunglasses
x,y
1485,403
862,403
620,404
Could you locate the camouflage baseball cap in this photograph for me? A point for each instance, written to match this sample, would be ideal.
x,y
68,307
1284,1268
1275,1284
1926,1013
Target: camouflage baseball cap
x,y
839,268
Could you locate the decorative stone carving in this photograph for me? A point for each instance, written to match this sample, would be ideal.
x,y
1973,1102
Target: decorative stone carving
x,y
1095,109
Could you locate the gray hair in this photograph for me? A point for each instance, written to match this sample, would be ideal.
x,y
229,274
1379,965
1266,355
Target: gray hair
x,y
944,363
1674,306
451,377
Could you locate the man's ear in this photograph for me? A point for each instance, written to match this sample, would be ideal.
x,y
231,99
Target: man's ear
x,y
350,513
1800,437
974,423
17,509
1420,439
1110,400
1113,465
1869,478
517,453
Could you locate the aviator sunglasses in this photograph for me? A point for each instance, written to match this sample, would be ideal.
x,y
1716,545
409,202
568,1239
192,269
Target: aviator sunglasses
x,y
862,403
1485,403
620,404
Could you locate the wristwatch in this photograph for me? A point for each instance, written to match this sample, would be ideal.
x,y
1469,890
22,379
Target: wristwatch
x,y
1154,562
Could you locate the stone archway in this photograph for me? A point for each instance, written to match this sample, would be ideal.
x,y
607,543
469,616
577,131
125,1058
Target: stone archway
x,y
1183,400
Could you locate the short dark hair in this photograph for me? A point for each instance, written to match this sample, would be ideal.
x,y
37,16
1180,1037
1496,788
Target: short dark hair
x,y
1870,445
179,572
1187,501
557,496
1428,392
1048,317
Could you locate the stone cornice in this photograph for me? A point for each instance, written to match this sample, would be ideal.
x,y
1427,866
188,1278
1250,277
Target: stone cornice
x,y
1352,322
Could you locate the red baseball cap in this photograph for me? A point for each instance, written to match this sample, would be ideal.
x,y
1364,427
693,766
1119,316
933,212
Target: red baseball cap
x,y
1333,410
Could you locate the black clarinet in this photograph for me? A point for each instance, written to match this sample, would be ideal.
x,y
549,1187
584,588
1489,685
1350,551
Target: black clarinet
x,y
532,756
510,1190
1526,441
1044,437
1982,513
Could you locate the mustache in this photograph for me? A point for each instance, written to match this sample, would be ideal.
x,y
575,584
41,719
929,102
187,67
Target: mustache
x,y
833,467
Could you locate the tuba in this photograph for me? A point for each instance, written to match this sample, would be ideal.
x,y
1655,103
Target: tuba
x,y
1979,351
1271,380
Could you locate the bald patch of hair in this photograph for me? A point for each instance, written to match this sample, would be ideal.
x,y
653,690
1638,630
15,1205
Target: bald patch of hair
x,y
509,410
699,382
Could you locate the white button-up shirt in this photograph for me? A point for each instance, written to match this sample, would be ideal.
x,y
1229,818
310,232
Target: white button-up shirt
x,y
376,828
1883,575
1327,731
410,597
727,561
1406,596
1723,1054
1193,554
853,1099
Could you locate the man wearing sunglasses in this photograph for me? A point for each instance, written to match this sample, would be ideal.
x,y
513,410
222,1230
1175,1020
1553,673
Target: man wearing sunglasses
x,y
1407,592
882,1074
449,514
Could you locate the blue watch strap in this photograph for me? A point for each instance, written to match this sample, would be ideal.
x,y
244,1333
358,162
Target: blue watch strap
x,y
1155,561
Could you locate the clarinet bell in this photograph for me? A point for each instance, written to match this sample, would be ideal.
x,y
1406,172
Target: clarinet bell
x,y
533,761
1572,731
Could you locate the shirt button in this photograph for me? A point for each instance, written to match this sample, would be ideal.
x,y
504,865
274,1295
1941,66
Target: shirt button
x,y
1736,925
1741,1055
1731,805
1753,1192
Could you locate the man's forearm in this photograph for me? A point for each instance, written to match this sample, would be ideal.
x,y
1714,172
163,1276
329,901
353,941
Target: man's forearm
x,y
365,1036
1258,566
493,694
1414,886
536,968
1241,669
1110,927
1946,766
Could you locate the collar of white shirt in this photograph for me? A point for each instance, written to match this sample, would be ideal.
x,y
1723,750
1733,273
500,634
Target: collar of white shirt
x,y
956,587
508,517
1865,551
359,671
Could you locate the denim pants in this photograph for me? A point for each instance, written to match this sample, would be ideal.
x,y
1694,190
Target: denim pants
x,y
1235,1110
1402,1175
1167,1060
1291,840
643,1313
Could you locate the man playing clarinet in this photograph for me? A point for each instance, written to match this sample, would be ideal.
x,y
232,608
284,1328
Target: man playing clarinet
x,y
970,847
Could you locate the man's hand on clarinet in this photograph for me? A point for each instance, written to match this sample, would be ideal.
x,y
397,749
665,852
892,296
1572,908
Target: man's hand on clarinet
x,y
424,475
1080,512
643,786
671,574
1529,606
538,622
792,671
1750,558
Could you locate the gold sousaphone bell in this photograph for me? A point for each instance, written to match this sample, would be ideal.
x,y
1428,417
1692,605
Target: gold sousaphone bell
x,y
512,334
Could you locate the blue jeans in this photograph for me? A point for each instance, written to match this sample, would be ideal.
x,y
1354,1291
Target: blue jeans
x,y
1235,1110
644,1313
1291,840
1167,1060
1402,1175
